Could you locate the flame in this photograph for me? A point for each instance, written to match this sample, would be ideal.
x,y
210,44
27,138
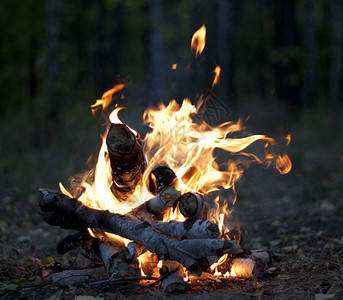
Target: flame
x,y
199,40
216,76
106,98
114,116
188,148
174,66
232,272
181,143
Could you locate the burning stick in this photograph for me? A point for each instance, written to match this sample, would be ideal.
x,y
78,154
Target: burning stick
x,y
61,210
190,229
247,265
173,274
156,206
160,178
116,267
119,262
127,161
192,206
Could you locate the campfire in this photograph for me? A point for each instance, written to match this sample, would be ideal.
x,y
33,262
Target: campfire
x,y
155,208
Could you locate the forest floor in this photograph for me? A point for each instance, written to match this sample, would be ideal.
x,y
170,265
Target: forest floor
x,y
297,217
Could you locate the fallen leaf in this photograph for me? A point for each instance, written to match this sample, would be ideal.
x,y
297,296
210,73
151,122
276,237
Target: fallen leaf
x,y
15,285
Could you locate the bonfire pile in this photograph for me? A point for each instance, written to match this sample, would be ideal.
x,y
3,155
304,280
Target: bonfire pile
x,y
171,248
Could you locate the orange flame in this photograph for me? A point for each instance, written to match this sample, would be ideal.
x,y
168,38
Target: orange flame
x,y
187,147
216,76
199,40
106,98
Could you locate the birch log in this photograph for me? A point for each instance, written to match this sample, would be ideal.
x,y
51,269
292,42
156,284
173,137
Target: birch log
x,y
192,205
61,210
190,229
127,161
160,178
172,277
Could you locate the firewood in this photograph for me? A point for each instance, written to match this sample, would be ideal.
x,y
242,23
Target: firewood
x,y
156,206
127,160
160,178
244,267
116,262
73,241
262,255
172,274
67,212
192,174
190,229
77,277
164,201
192,205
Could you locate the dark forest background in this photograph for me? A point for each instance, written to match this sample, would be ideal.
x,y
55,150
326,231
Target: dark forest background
x,y
281,64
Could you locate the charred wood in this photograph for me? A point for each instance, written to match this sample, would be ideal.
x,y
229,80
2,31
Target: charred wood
x,y
160,178
73,241
67,212
192,205
127,161
157,206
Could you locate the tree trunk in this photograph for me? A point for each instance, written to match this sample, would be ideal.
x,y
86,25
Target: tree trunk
x,y
311,57
335,79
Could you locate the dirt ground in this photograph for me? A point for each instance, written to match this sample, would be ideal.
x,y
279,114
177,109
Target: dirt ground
x,y
297,217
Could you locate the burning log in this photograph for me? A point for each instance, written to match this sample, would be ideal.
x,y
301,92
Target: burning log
x,y
191,175
172,277
247,265
192,205
156,206
61,210
127,161
244,267
118,262
160,178
164,201
190,229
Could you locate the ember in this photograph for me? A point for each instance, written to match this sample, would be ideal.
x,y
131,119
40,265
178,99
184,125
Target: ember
x,y
158,198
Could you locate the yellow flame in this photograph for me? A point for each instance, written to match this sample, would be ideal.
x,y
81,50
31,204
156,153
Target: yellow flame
x,y
114,116
283,164
106,98
187,147
199,40
216,76
232,272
